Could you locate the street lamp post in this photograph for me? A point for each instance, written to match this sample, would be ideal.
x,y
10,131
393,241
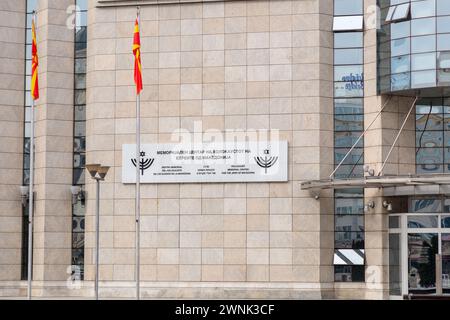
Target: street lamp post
x,y
98,173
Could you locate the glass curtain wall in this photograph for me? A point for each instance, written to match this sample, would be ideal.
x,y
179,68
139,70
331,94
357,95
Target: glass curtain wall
x,y
348,126
414,44
79,143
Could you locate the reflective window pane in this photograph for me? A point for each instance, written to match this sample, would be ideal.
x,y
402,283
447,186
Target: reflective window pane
x,y
443,42
426,221
349,206
443,24
348,7
353,223
348,40
429,139
349,123
422,249
349,240
348,106
394,264
400,47
423,26
423,8
445,222
348,23
422,79
443,7
348,56
347,139
349,273
80,129
430,156
400,81
400,64
423,44
354,157
400,30
426,205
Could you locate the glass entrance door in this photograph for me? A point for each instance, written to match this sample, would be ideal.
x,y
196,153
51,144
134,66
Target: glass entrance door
x,y
414,241
422,250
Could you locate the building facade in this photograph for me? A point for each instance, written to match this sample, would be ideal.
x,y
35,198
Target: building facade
x,y
358,89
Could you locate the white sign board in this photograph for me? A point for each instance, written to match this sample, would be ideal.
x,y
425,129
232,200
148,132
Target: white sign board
x,y
215,162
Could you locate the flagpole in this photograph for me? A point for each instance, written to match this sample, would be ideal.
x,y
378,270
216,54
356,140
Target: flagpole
x,y
31,194
138,183
30,204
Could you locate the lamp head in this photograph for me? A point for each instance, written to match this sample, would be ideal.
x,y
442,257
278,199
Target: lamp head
x,y
92,169
102,171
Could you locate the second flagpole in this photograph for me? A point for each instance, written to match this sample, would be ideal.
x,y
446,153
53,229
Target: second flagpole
x,y
138,184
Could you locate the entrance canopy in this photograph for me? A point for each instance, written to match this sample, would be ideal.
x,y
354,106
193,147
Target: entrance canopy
x,y
379,182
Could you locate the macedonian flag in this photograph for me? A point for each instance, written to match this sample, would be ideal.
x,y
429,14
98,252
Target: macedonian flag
x,y
137,58
34,64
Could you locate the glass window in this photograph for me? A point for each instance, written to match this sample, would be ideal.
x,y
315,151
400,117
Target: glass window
x,y
348,23
427,221
82,4
443,42
349,206
429,139
444,78
394,222
78,176
349,122
401,12
349,273
394,264
347,139
80,129
430,156
348,73
348,40
400,47
400,30
423,44
349,222
80,113
80,97
445,222
400,64
390,13
444,60
80,66
355,157
421,79
423,61
348,106
443,24
81,19
349,89
31,5
80,81
422,249
423,8
400,81
423,26
426,205
350,171
348,7
79,160
348,56
443,7
79,144
349,240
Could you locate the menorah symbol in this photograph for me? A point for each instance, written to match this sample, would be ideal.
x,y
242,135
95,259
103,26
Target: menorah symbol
x,y
144,164
266,162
